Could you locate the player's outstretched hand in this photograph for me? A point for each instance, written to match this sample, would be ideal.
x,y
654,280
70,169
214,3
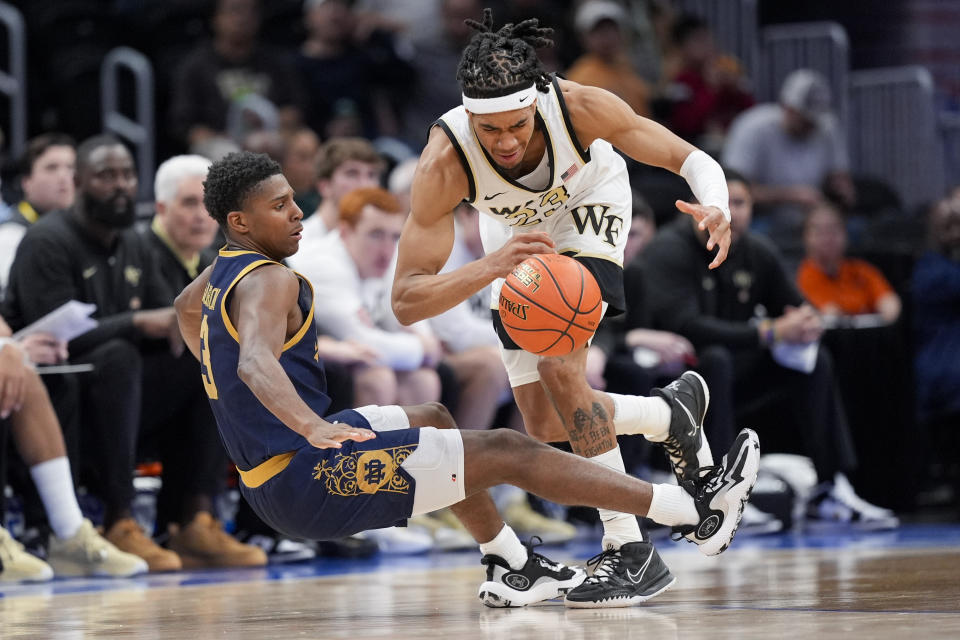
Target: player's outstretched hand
x,y
710,219
519,248
326,435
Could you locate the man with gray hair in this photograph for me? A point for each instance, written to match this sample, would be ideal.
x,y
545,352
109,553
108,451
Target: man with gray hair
x,y
182,230
791,152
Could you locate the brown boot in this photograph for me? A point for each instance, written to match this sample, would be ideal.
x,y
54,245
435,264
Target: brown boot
x,y
126,535
203,543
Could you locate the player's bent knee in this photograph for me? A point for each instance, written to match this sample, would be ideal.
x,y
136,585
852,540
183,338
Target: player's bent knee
x,y
430,414
440,416
505,440
558,372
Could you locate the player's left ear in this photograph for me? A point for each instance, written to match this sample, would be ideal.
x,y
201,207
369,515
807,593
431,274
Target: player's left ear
x,y
237,221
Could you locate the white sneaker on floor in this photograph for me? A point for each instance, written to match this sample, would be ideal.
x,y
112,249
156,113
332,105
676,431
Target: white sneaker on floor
x,y
400,540
445,537
18,565
87,553
757,523
526,521
837,503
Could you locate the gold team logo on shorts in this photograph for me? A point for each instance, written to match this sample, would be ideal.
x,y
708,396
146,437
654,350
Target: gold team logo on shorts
x,y
364,472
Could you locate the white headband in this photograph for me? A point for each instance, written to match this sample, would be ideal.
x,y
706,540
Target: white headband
x,y
512,102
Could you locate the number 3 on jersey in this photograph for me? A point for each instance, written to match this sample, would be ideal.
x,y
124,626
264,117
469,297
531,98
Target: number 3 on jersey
x,y
206,371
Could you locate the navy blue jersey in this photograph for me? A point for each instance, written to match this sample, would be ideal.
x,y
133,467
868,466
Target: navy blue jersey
x,y
250,432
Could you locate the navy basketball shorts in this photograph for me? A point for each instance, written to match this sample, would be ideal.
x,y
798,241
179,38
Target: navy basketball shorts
x,y
323,494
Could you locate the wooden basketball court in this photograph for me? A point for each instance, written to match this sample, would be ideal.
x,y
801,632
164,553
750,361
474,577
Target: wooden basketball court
x,y
864,586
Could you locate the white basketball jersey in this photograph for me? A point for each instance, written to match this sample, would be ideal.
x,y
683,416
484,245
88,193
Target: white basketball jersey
x,y
573,172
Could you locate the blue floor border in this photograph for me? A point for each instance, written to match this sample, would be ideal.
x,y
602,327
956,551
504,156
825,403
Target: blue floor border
x,y
909,536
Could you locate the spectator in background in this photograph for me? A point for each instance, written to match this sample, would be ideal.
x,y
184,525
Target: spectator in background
x,y
707,92
835,284
47,184
89,253
234,69
936,301
401,179
791,152
299,161
349,75
46,171
181,231
347,272
411,20
435,61
870,352
76,549
738,316
343,165
603,26
634,343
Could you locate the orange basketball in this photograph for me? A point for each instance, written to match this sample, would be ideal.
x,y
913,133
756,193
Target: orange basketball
x,y
550,305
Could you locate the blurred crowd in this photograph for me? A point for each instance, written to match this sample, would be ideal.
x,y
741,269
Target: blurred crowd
x,y
832,339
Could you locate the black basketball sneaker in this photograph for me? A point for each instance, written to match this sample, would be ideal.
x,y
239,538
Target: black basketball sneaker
x,y
622,577
720,492
540,579
685,445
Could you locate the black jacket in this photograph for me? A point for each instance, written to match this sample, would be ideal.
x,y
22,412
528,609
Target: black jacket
x,y
58,261
172,271
714,307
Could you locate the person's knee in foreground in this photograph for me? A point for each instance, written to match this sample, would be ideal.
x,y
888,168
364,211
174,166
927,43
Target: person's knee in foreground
x,y
249,320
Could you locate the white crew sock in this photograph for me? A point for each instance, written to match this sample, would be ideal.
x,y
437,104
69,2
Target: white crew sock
x,y
618,528
672,506
55,486
508,546
639,414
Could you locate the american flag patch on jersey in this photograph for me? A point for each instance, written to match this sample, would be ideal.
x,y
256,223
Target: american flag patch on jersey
x,y
569,173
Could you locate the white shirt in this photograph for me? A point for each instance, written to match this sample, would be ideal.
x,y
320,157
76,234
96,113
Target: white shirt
x,y
11,233
468,324
342,302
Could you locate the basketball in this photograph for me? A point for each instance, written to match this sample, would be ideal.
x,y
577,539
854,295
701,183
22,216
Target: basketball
x,y
550,305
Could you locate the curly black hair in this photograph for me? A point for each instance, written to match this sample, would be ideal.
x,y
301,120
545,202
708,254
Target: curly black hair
x,y
497,63
233,178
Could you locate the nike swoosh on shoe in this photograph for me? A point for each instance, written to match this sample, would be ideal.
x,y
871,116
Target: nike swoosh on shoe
x,y
693,422
636,579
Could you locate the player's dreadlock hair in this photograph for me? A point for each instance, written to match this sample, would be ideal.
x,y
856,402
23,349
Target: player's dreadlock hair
x,y
498,63
233,178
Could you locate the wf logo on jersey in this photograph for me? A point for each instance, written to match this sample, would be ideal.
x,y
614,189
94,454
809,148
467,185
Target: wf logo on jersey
x,y
606,226
535,210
